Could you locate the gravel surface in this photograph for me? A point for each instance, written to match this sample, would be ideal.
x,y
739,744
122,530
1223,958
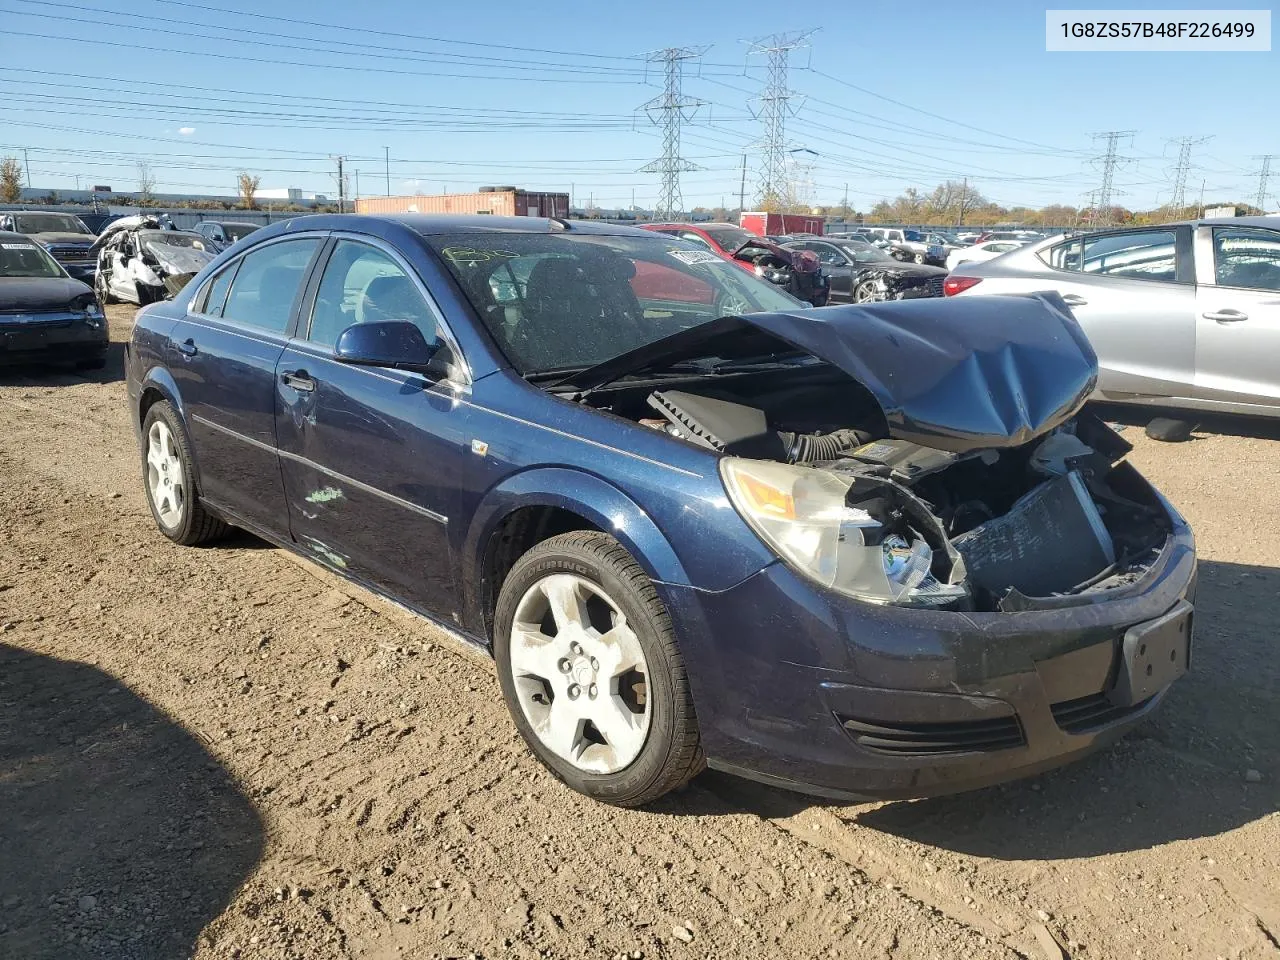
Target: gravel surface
x,y
227,752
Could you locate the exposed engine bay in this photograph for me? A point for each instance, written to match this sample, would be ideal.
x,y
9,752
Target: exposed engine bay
x,y
1060,519
796,271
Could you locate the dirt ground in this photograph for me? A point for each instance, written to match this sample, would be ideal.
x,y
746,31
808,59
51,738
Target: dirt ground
x,y
226,752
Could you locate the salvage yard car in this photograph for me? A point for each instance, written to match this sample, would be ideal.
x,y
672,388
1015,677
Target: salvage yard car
x,y
139,261
221,234
801,276
862,273
65,236
46,315
1182,315
869,550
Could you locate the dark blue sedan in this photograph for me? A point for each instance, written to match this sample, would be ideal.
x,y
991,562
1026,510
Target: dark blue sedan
x,y
871,550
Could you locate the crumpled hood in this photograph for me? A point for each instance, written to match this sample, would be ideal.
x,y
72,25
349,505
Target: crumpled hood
x,y
179,260
959,374
804,261
59,238
137,221
34,294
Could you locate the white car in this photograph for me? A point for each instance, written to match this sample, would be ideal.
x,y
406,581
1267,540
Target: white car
x,y
982,251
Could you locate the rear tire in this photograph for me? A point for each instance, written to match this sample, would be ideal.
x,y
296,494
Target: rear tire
x,y
607,608
168,479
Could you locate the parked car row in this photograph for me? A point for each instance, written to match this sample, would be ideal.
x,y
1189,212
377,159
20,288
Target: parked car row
x,y
56,275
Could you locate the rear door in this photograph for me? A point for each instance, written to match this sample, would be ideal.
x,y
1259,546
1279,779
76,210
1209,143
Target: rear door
x,y
1132,291
1238,315
224,361
372,457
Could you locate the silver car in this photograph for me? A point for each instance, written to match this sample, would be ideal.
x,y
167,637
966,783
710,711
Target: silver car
x,y
1181,314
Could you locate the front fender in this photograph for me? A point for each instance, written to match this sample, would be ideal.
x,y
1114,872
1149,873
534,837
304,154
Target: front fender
x,y
595,500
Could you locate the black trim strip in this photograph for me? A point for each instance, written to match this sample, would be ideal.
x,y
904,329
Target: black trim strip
x,y
340,477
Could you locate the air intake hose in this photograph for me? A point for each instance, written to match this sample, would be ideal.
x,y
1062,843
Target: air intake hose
x,y
812,447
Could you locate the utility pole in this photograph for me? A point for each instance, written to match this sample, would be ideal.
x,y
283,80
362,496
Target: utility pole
x,y
1200,212
670,110
1110,159
386,155
1263,176
357,173
775,107
964,199
742,190
26,162
342,185
1179,199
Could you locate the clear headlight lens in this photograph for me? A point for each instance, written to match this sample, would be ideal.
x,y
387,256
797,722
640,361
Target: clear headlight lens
x,y
802,515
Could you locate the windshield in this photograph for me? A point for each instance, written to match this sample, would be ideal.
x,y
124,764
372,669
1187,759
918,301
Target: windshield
x,y
170,238
865,252
728,236
238,231
27,260
563,302
49,223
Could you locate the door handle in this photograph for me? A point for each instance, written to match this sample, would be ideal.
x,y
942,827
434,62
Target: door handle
x,y
1072,300
1225,316
299,380
188,347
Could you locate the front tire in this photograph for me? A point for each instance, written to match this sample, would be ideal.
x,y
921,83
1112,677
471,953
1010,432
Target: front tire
x,y
104,290
919,258
168,477
591,672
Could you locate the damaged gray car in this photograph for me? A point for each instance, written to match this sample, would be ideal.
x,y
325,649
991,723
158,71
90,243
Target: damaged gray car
x,y
139,261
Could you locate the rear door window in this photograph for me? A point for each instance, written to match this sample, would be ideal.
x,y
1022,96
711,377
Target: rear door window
x,y
1145,255
267,284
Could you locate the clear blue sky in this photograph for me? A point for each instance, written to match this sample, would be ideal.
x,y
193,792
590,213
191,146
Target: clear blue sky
x,y
546,95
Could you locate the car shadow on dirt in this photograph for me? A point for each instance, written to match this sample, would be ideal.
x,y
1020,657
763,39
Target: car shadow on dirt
x,y
1183,774
1137,418
65,374
120,834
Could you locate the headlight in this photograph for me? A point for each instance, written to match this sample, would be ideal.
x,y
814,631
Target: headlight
x,y
803,516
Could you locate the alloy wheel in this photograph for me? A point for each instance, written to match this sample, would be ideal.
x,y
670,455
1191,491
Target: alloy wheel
x,y
580,674
164,475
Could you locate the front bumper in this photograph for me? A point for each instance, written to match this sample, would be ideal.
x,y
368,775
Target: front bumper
x,y
801,688
54,340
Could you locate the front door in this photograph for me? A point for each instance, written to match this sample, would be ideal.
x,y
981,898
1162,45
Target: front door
x,y
1238,315
372,457
224,361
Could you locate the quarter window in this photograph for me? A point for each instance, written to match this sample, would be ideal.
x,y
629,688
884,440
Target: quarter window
x,y
361,284
1064,256
216,293
267,284
1244,257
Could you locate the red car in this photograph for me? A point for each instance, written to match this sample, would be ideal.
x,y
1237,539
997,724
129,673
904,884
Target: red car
x,y
797,271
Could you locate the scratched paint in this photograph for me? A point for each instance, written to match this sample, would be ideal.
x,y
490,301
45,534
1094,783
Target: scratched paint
x,y
325,495
322,550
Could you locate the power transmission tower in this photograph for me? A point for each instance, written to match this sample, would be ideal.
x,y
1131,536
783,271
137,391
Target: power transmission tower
x,y
775,107
670,110
1180,172
1110,159
1264,175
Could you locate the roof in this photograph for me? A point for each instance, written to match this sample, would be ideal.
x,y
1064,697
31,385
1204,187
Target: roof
x,y
434,224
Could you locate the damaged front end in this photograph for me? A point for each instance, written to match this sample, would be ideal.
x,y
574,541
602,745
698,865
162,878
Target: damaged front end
x,y
140,258
915,455
799,272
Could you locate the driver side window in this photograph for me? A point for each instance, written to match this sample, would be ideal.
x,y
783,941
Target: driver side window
x,y
361,284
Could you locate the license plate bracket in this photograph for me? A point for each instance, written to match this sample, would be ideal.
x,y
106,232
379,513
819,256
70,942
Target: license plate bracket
x,y
1153,655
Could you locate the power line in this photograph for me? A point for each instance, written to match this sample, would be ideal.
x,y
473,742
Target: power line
x,y
669,110
775,107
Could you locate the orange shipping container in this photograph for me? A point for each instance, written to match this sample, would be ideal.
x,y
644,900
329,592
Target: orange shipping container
x,y
499,203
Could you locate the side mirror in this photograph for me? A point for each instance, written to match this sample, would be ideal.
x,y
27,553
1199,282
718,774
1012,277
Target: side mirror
x,y
388,343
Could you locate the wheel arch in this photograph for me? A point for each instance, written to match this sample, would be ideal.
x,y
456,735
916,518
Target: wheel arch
x,y
157,385
535,505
